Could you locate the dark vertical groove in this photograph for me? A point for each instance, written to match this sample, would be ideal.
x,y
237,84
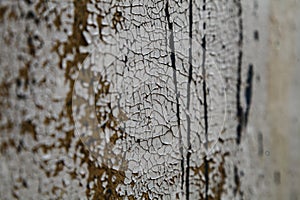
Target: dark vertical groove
x,y
205,115
236,180
205,105
240,113
238,100
239,77
173,64
188,102
248,92
204,90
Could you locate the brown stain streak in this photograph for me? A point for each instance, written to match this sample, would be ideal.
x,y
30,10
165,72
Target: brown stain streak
x,y
29,127
217,188
2,13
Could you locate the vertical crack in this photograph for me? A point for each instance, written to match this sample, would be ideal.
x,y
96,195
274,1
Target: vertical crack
x,y
240,112
248,92
172,56
205,103
236,180
204,91
204,81
188,100
239,77
238,100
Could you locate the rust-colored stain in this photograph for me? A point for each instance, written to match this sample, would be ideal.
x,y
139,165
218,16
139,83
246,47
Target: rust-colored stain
x,y
13,15
2,13
75,41
95,172
218,188
5,145
98,191
29,127
4,91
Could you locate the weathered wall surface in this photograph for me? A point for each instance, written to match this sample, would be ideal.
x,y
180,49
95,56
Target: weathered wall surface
x,y
172,99
273,133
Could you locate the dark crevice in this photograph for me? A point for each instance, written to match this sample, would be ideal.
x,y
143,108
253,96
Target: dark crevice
x,y
187,176
188,101
172,56
248,92
238,99
204,81
204,92
239,77
236,180
204,88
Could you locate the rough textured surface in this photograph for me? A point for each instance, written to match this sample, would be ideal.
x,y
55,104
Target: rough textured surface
x,y
149,100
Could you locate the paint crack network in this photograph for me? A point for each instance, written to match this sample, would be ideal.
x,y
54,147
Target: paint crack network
x,y
130,75
151,101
